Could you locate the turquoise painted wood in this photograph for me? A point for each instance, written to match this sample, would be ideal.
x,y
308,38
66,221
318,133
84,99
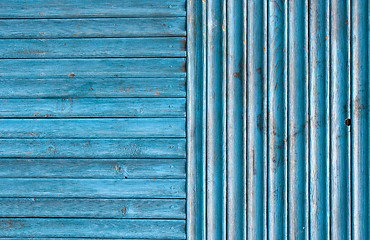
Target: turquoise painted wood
x,y
92,128
93,148
92,107
91,8
93,27
174,119
92,228
278,119
72,86
93,47
92,188
93,168
93,119
92,208
110,67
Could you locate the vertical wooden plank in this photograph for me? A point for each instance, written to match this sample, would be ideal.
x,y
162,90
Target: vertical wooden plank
x,y
340,111
256,126
319,148
360,119
297,120
196,152
236,119
276,119
216,149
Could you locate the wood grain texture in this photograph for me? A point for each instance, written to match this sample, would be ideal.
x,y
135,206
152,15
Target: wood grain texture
x,y
91,107
126,67
90,8
92,28
92,208
92,119
92,148
93,47
48,238
77,87
92,128
92,168
92,188
95,228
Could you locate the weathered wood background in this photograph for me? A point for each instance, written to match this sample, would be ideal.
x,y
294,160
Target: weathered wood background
x,y
92,128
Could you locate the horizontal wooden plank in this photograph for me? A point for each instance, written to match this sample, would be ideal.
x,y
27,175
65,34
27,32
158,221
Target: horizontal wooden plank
x,y
38,238
93,28
92,188
90,128
112,67
93,148
92,107
96,228
77,87
92,168
93,47
90,8
92,208
49,238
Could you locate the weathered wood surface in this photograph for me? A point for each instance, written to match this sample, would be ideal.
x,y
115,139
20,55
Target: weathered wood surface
x,y
92,119
93,27
92,148
92,128
77,87
92,188
92,168
91,8
92,208
108,67
92,228
92,107
93,47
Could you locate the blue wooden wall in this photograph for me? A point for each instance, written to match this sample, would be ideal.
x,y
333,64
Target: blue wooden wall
x,y
92,119
278,119
174,119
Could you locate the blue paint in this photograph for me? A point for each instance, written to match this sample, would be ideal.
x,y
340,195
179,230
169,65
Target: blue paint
x,y
198,119
92,87
319,149
93,119
93,28
93,47
93,228
297,138
91,8
93,107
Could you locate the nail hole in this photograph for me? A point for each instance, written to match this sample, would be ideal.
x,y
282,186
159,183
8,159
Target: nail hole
x,y
347,122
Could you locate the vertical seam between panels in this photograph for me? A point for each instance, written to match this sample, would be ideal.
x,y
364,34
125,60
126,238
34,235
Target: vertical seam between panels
x,y
247,60
329,120
267,117
287,121
224,121
227,123
286,144
349,115
205,123
308,120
